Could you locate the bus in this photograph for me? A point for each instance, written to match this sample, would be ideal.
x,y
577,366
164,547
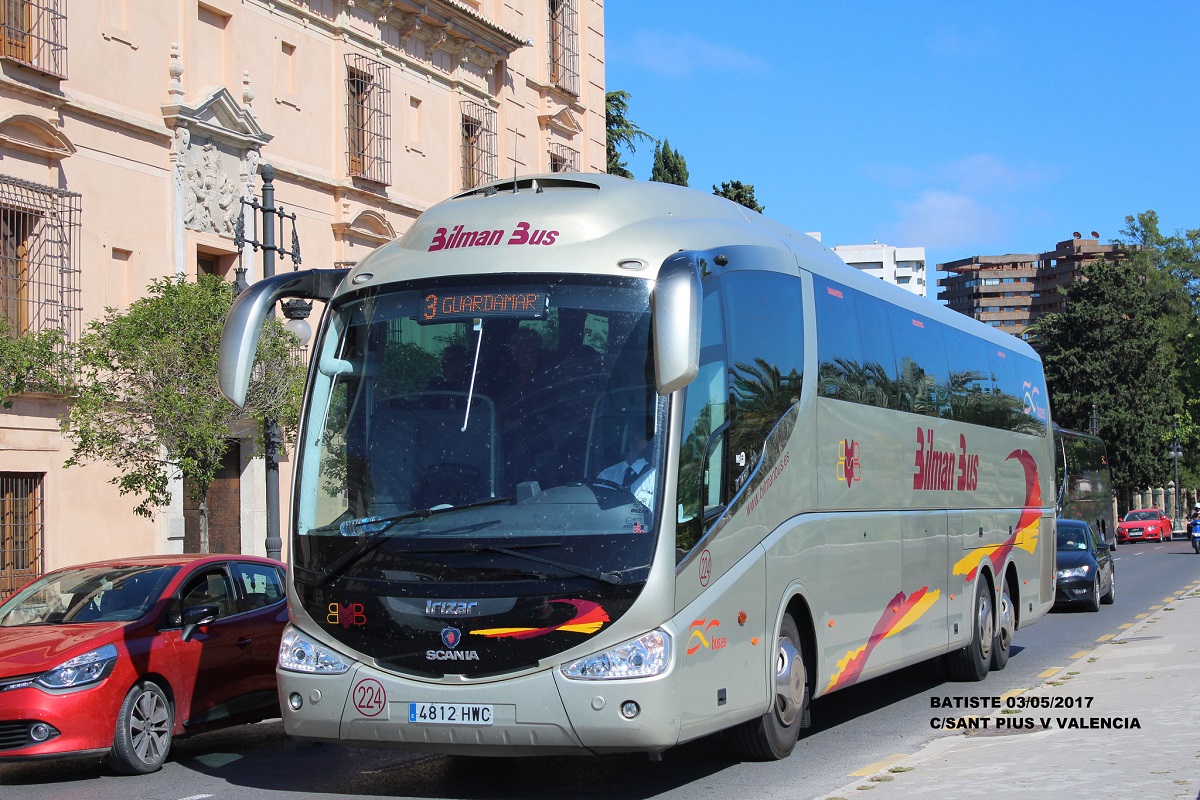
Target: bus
x,y
589,465
1084,481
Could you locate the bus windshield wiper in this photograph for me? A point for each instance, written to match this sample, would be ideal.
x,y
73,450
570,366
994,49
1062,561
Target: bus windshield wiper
x,y
373,528
595,574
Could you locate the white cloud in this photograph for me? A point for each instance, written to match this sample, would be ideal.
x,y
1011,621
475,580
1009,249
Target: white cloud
x,y
682,55
939,219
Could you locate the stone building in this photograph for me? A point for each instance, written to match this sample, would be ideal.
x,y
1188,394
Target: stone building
x,y
131,131
1011,291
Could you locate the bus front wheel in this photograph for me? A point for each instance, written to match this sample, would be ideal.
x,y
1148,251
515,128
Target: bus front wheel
x,y
773,735
971,663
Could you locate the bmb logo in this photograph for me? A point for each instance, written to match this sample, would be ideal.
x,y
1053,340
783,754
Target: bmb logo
x,y
346,615
848,466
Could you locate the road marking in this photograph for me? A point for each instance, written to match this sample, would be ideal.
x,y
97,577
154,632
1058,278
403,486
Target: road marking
x,y
1050,672
1141,616
1155,608
871,769
1168,599
196,797
1080,654
1012,693
1181,591
1106,637
1126,625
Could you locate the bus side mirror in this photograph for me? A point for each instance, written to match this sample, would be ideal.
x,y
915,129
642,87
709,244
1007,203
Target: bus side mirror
x,y
675,305
239,338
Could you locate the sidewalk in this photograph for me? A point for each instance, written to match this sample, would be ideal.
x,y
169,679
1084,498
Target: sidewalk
x,y
1149,673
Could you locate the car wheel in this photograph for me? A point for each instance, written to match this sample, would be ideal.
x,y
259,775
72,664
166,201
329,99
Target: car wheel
x,y
1093,601
143,736
971,663
773,736
1111,594
1005,628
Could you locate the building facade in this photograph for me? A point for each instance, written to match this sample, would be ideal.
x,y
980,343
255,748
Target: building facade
x,y
131,131
1011,291
903,266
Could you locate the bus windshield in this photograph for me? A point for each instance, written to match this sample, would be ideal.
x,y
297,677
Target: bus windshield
x,y
492,431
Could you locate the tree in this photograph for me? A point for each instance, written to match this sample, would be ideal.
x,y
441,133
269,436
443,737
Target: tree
x,y
742,193
1106,348
669,165
32,362
621,133
147,399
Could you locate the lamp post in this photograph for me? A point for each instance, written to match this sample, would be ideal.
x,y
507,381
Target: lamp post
x,y
1175,453
272,218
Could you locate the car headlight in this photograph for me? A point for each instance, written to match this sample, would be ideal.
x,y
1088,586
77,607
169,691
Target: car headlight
x,y
643,657
298,653
1074,572
92,666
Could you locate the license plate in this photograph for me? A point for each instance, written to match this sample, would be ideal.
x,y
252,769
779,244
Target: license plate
x,y
450,713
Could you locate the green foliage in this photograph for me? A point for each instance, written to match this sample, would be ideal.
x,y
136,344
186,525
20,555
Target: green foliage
x,y
621,133
742,193
669,165
1107,348
32,362
147,399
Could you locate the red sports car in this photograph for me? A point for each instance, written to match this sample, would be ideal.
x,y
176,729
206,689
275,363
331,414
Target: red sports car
x,y
1143,525
116,658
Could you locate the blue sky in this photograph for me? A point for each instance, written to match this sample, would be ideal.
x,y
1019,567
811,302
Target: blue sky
x,y
966,128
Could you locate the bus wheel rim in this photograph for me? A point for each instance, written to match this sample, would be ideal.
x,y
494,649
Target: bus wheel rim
x,y
789,682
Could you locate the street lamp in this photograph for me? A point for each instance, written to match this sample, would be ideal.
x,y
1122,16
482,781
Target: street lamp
x,y
272,216
1175,453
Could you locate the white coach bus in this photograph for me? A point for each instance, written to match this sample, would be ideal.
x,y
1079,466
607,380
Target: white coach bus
x,y
593,465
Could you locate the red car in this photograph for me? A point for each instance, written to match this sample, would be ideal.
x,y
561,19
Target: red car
x,y
1144,524
118,657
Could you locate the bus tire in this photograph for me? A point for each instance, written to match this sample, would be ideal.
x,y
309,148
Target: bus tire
x,y
971,663
773,736
1006,626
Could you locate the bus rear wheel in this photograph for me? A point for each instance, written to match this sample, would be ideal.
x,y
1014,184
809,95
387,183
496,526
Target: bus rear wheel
x,y
972,662
773,735
1006,627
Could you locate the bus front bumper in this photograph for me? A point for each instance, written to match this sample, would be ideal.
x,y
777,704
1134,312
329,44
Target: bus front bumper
x,y
519,716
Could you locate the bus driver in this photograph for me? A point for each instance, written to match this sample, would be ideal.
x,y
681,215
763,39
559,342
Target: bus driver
x,y
634,471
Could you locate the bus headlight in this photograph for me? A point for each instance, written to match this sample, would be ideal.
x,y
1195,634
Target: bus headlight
x,y
298,653
643,657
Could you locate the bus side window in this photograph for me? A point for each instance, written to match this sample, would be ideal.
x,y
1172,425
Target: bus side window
x,y
702,451
766,357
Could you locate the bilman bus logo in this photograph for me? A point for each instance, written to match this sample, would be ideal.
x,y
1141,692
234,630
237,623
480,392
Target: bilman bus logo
x,y
458,237
848,465
451,637
944,469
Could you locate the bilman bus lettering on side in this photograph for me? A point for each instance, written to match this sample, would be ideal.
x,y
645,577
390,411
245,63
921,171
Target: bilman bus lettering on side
x,y
458,237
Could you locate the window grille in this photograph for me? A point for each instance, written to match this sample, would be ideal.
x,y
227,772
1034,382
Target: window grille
x,y
39,258
34,33
563,158
564,45
22,523
478,143
368,119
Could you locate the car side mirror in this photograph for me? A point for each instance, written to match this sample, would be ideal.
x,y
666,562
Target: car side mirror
x,y
195,616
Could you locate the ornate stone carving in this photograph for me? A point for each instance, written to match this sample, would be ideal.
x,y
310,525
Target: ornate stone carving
x,y
211,195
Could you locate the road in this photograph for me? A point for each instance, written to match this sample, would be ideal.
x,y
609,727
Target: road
x,y
852,729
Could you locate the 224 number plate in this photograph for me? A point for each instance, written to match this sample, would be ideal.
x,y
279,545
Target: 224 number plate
x,y
450,713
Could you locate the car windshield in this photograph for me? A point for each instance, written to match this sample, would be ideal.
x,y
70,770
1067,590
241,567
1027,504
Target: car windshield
x,y
87,594
1140,516
516,413
1072,537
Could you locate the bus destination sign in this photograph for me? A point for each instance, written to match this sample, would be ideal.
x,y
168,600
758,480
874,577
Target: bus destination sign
x,y
458,306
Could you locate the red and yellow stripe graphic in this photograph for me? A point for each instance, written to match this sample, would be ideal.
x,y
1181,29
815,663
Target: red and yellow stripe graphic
x,y
1025,534
589,618
901,612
